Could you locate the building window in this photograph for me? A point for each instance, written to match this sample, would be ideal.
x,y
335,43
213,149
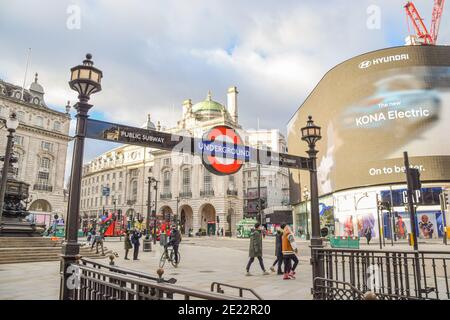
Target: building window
x,y
21,116
207,179
120,185
114,175
57,126
166,162
166,182
46,146
134,190
45,163
39,121
186,180
43,178
18,140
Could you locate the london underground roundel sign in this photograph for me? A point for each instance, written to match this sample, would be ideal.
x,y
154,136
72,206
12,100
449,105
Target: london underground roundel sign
x,y
223,150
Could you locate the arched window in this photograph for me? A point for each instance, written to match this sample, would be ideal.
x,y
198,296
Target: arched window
x,y
186,180
134,190
166,182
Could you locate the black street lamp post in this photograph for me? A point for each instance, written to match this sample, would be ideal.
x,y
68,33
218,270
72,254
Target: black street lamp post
x,y
306,197
86,80
156,208
11,125
149,205
311,134
176,215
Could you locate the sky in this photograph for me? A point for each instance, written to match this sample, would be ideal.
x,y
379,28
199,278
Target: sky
x,y
155,54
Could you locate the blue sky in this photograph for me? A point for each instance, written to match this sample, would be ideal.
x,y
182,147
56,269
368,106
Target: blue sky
x,y
155,54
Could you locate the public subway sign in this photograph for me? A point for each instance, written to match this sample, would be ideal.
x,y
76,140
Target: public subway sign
x,y
221,148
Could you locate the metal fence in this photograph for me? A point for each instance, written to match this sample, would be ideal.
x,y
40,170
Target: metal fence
x,y
389,275
99,282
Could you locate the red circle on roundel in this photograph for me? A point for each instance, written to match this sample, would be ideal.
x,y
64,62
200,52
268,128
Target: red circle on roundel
x,y
232,138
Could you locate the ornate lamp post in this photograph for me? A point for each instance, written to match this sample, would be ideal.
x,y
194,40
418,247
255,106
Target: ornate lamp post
x,y
86,80
311,134
306,197
11,125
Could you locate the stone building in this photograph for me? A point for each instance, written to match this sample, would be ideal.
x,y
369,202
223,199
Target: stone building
x,y
200,199
41,142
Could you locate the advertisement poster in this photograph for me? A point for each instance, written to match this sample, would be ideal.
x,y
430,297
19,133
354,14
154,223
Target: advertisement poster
x,y
365,221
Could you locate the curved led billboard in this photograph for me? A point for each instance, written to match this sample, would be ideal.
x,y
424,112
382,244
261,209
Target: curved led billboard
x,y
371,109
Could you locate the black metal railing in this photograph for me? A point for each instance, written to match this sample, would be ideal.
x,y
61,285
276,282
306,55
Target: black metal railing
x,y
232,192
166,195
391,275
205,193
218,287
187,194
336,290
43,187
102,283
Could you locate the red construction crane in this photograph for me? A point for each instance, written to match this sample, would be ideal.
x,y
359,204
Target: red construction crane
x,y
425,37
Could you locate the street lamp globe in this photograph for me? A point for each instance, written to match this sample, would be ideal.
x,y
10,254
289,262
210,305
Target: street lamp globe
x,y
311,133
86,79
12,122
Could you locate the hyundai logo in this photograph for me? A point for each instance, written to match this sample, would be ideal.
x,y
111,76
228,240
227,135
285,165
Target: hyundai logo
x,y
365,64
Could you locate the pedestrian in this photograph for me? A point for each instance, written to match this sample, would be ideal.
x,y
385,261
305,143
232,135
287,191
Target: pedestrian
x,y
93,238
278,251
127,244
289,249
135,241
255,249
368,234
221,231
99,242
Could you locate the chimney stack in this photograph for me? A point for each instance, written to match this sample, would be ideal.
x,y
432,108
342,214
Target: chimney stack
x,y
232,103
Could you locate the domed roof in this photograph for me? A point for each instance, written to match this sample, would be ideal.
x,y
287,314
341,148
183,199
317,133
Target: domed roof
x,y
35,86
208,105
149,125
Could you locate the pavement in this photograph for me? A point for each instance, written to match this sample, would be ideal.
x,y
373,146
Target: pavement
x,y
203,261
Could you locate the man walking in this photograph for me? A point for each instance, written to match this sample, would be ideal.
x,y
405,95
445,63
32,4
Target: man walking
x,y
255,249
289,249
135,241
99,242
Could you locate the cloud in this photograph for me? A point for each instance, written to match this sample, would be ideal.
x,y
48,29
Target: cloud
x,y
155,54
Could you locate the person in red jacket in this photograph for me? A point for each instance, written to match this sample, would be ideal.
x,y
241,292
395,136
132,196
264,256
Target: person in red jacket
x,y
289,249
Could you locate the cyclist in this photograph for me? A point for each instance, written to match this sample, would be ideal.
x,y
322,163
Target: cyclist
x,y
174,241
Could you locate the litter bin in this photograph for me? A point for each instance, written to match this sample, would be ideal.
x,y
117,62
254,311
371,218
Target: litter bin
x,y
147,247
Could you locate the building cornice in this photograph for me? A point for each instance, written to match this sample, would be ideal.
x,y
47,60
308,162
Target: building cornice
x,y
35,107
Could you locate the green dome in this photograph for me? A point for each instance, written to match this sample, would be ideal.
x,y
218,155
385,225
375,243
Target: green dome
x,y
208,105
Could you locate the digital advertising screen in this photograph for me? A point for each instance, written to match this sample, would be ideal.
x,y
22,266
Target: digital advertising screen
x,y
371,109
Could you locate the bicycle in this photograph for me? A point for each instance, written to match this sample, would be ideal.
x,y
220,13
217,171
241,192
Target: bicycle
x,y
169,255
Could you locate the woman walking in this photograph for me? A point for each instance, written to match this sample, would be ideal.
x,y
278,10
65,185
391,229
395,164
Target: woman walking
x,y
289,248
278,251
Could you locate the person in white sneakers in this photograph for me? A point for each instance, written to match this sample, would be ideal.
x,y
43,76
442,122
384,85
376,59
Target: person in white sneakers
x,y
289,249
255,250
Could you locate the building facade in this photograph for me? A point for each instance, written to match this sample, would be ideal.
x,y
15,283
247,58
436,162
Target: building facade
x,y
274,181
40,145
187,191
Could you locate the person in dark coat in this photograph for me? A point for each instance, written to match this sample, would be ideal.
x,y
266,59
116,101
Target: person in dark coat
x,y
174,241
255,249
135,241
127,244
368,234
278,251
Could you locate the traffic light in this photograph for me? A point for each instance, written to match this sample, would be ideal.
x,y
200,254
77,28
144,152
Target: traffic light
x,y
414,178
